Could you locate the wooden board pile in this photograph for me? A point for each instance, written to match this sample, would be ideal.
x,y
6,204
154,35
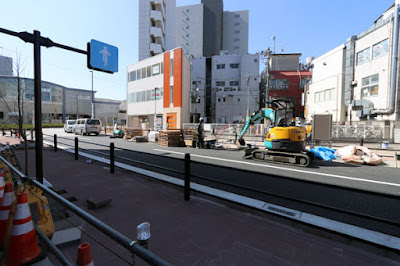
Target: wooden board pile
x,y
190,137
133,132
170,138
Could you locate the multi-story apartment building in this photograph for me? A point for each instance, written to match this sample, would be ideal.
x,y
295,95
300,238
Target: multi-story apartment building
x,y
202,30
158,91
225,87
156,27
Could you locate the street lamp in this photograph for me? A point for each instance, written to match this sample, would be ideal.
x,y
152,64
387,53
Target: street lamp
x,y
92,97
155,109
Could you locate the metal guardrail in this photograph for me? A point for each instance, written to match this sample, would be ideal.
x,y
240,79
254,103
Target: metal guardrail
x,y
131,245
187,177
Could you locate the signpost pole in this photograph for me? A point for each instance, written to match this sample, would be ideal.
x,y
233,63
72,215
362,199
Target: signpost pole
x,y
38,107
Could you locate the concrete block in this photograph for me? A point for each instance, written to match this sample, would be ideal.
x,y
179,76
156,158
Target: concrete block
x,y
97,203
66,237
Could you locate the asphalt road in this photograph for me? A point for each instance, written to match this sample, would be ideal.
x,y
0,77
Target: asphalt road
x,y
366,196
370,178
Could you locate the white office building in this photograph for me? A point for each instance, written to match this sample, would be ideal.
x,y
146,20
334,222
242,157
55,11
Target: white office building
x,y
236,32
225,87
6,66
358,82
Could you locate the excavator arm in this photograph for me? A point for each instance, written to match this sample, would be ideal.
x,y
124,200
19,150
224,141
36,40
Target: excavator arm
x,y
267,113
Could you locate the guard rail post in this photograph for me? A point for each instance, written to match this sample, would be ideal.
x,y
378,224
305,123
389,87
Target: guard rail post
x,y
76,148
187,177
31,134
112,159
55,142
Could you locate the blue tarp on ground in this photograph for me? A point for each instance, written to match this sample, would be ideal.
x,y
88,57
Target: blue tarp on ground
x,y
323,153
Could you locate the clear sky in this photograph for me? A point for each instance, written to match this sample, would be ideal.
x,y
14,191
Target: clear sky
x,y
310,27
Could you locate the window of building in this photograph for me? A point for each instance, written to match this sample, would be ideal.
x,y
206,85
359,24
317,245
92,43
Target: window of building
x,y
236,31
219,99
380,48
236,39
187,35
237,16
149,71
187,10
234,83
255,60
363,56
162,67
187,27
138,74
187,44
220,66
171,94
238,99
46,95
187,19
220,83
370,86
236,48
325,95
236,23
278,84
234,66
132,76
171,68
156,69
143,73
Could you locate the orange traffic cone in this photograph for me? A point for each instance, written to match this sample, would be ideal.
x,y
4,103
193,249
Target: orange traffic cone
x,y
5,211
84,255
23,246
1,186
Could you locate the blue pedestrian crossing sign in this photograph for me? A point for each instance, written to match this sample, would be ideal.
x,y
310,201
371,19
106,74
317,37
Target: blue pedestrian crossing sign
x,y
102,56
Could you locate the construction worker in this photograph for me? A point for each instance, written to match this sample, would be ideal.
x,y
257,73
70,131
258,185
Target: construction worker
x,y
200,134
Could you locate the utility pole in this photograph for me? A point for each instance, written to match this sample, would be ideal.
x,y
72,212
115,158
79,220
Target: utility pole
x,y
92,97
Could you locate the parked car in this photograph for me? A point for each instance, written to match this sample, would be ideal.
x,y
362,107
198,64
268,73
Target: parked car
x,y
69,126
86,126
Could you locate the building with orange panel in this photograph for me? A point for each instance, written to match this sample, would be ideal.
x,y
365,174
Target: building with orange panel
x,y
158,91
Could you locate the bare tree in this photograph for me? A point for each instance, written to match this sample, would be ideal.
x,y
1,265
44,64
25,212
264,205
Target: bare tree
x,y
12,104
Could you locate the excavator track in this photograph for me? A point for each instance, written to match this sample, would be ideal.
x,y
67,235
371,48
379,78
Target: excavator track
x,y
298,159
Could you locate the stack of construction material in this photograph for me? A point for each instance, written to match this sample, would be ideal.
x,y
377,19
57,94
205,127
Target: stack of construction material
x,y
133,132
190,137
138,139
169,138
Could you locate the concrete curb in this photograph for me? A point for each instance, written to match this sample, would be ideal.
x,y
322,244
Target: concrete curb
x,y
332,225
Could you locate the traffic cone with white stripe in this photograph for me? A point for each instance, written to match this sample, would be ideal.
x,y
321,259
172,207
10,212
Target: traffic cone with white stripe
x,y
23,245
2,185
84,255
5,207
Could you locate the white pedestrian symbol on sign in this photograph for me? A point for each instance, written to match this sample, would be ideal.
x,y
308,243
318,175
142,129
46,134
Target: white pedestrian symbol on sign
x,y
105,54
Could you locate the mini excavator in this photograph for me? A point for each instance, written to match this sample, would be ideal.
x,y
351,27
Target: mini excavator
x,y
284,143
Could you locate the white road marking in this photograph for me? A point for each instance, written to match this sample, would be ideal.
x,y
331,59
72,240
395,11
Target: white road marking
x,y
286,169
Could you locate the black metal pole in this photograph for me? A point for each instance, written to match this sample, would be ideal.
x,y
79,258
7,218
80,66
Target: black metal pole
x,y
38,107
187,177
112,158
55,142
76,148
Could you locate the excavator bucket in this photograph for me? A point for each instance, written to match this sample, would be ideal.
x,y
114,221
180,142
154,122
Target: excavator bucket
x,y
241,142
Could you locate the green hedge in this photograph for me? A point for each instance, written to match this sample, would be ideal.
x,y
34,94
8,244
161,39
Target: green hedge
x,y
29,126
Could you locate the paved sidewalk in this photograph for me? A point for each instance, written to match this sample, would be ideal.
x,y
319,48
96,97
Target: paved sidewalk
x,y
203,231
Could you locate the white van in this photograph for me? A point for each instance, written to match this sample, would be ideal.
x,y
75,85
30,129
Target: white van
x,y
69,126
85,126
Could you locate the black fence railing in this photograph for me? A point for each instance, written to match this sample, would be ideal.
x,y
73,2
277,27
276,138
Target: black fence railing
x,y
131,245
187,176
